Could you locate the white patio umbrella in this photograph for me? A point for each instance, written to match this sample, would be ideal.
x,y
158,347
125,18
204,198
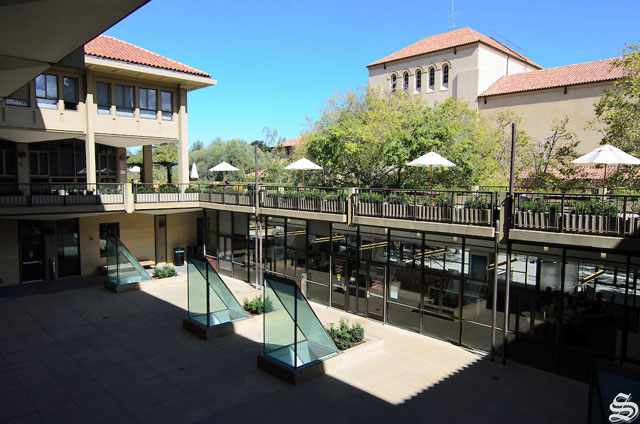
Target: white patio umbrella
x,y
302,164
134,169
607,155
223,167
194,172
431,159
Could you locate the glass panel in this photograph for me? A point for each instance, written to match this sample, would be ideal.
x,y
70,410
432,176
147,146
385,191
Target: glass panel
x,y
104,94
293,334
196,293
70,89
405,285
151,100
128,270
52,86
41,89
279,325
402,316
441,327
166,101
143,98
68,248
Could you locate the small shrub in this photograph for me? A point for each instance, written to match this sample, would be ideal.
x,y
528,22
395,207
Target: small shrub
x,y
164,271
256,305
344,335
371,197
169,188
192,189
141,189
477,203
443,200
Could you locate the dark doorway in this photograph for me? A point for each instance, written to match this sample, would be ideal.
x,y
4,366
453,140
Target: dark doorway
x,y
31,251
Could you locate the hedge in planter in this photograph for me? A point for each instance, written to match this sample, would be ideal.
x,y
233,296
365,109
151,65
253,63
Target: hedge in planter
x,y
257,306
164,271
344,336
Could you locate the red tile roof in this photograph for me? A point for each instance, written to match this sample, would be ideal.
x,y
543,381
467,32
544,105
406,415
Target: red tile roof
x,y
107,47
581,73
447,40
291,143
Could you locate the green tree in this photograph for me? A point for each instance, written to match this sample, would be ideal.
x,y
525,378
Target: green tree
x,y
366,138
619,108
198,145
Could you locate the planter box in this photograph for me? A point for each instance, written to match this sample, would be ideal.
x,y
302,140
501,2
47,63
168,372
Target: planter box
x,y
169,197
288,203
595,224
632,225
46,199
146,197
472,216
368,209
392,210
111,198
433,213
245,200
332,206
189,197
270,201
309,204
537,220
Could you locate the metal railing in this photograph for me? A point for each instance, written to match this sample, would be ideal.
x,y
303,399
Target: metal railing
x,y
60,194
311,199
228,194
455,207
609,215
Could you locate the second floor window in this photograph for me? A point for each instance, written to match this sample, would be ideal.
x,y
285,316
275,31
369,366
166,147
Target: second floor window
x,y
405,81
418,80
445,76
148,103
124,100
166,100
432,78
70,93
19,97
47,90
104,97
393,83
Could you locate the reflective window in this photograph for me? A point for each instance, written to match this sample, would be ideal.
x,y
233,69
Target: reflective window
x,y
432,78
405,81
47,90
418,80
70,93
103,97
393,82
148,103
124,100
166,100
445,76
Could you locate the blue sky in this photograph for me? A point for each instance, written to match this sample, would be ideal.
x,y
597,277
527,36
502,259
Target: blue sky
x,y
278,62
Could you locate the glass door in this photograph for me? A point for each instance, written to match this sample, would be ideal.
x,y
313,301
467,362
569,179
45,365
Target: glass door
x,y
339,278
68,247
372,280
31,251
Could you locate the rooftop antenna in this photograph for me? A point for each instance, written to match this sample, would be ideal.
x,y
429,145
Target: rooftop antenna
x,y
452,25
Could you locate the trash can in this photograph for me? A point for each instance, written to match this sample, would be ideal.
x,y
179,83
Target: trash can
x,y
178,256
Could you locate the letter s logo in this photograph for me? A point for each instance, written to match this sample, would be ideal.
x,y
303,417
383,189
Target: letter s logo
x,y
624,411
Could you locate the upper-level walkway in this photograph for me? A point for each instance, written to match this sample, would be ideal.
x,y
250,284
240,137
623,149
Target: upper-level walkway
x,y
87,355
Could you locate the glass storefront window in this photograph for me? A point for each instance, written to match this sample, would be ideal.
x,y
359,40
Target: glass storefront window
x,y
373,244
345,240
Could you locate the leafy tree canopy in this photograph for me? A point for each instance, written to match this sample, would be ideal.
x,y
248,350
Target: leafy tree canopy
x,y
366,138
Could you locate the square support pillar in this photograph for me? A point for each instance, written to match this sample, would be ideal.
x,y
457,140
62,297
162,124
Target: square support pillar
x,y
121,165
90,140
23,168
183,140
147,164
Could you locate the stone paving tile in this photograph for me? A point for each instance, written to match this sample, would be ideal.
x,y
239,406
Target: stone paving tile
x,y
125,358
14,404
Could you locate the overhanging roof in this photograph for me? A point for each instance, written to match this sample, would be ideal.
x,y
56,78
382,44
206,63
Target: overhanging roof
x,y
38,34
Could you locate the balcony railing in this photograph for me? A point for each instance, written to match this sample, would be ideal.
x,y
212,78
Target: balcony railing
x,y
454,207
228,194
311,199
610,215
60,194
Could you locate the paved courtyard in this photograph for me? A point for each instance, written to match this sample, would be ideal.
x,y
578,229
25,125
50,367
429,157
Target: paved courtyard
x,y
88,355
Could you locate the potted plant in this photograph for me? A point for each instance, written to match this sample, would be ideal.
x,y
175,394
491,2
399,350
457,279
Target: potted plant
x,y
593,216
476,210
369,204
191,194
333,202
396,205
145,194
538,213
436,208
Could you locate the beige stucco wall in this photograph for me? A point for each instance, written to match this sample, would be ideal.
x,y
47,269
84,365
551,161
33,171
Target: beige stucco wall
x,y
181,231
472,69
136,232
539,108
10,259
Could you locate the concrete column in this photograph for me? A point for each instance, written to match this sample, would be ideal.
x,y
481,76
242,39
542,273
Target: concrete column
x,y
121,165
147,162
90,141
183,140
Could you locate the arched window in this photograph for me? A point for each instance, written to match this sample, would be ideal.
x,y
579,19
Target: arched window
x,y
393,83
418,80
432,78
405,81
445,76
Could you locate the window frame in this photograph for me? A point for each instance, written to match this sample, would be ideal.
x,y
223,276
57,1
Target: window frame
x,y
405,81
70,104
445,75
48,101
432,78
418,80
167,115
147,112
394,82
103,108
126,110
